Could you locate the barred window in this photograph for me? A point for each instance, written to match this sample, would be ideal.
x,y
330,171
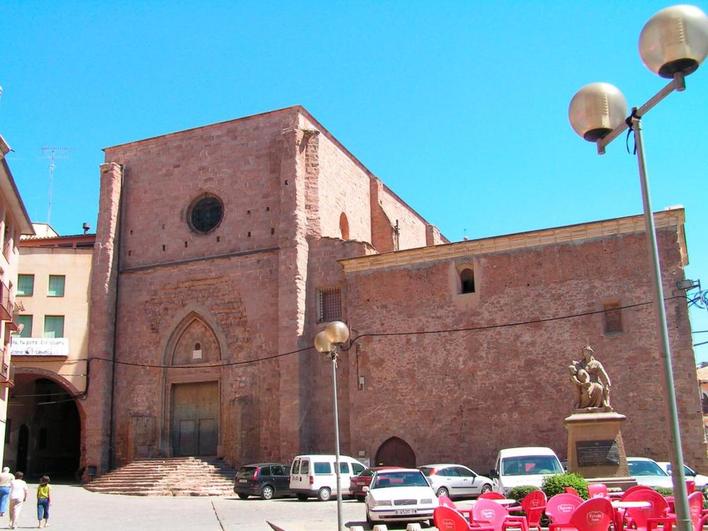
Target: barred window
x,y
329,305
613,318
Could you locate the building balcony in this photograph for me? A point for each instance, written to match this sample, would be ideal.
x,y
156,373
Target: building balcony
x,y
6,302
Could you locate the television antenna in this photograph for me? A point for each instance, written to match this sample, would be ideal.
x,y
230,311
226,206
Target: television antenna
x,y
53,154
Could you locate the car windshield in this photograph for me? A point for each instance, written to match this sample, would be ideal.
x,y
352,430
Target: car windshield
x,y
526,465
645,468
399,479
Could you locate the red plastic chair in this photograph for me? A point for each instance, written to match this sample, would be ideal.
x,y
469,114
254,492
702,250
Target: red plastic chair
x,y
571,490
597,490
533,505
560,508
636,488
447,502
448,519
647,519
488,512
491,495
690,486
695,507
595,514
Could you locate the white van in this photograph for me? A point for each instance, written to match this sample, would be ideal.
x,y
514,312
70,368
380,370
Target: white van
x,y
314,475
524,466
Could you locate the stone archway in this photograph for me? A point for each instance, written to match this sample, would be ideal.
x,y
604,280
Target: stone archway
x,y
45,427
395,452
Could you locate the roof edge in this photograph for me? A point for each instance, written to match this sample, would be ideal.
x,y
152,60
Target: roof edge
x,y
520,240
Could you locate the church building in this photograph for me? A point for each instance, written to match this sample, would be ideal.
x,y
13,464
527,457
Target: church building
x,y
222,250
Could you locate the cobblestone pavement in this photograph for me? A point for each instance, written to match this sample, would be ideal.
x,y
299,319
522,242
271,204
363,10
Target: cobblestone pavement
x,y
76,509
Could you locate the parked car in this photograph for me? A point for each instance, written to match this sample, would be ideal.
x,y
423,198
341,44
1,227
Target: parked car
x,y
700,480
266,480
524,466
400,495
314,475
358,482
455,481
647,472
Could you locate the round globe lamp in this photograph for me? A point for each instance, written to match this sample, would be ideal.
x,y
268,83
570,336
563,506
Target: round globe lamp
x,y
596,109
337,332
675,41
322,343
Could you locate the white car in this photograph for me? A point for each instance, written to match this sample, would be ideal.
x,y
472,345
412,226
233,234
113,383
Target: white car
x,y
524,466
399,495
700,480
647,472
315,475
455,481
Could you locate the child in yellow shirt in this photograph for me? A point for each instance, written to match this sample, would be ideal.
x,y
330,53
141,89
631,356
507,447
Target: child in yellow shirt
x,y
43,499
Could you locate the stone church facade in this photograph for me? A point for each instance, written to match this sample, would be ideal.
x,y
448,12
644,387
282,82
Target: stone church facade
x,y
221,250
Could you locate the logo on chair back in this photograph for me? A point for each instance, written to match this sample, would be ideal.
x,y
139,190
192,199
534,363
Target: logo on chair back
x,y
487,514
594,517
566,507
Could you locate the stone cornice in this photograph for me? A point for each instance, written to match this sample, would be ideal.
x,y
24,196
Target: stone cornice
x,y
523,240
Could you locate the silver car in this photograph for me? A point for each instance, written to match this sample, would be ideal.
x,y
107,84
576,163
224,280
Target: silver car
x,y
455,481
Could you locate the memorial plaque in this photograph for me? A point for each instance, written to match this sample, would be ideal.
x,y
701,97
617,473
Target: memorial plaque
x,y
597,453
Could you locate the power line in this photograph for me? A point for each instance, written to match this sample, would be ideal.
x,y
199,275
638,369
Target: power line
x,y
360,336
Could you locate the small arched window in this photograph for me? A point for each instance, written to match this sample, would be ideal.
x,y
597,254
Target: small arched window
x,y
467,280
344,226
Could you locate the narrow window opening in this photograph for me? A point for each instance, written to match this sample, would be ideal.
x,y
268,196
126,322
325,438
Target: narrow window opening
x,y
249,233
186,244
218,239
267,209
272,230
467,281
164,247
613,318
344,226
329,307
197,351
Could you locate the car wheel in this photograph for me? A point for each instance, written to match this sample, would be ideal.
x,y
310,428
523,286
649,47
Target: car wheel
x,y
485,488
442,491
302,497
243,496
324,494
267,492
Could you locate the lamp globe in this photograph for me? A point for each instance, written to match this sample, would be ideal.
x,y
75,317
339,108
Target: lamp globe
x,y
322,342
596,109
674,40
337,332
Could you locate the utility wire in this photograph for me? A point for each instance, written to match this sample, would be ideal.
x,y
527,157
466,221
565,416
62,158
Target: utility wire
x,y
360,336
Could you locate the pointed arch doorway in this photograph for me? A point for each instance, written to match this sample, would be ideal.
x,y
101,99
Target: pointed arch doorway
x,y
193,409
395,452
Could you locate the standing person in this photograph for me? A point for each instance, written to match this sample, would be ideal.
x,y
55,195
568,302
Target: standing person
x,y
18,496
5,479
43,499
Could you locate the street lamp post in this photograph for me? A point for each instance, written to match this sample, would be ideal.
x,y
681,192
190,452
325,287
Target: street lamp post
x,y
672,44
328,341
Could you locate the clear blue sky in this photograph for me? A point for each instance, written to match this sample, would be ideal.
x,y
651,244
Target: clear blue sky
x,y
461,107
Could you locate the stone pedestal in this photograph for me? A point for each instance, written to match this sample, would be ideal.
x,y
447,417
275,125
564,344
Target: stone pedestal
x,y
595,446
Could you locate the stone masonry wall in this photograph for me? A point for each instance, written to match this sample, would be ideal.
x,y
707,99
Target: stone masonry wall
x,y
460,397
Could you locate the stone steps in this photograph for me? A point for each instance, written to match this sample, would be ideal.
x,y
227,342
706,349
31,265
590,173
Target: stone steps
x,y
175,476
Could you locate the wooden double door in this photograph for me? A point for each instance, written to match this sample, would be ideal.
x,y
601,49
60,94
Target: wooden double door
x,y
195,418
